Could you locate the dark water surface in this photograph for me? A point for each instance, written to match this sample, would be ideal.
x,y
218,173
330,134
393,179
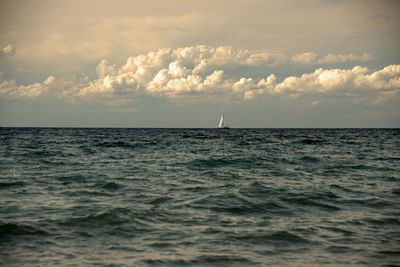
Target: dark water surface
x,y
202,197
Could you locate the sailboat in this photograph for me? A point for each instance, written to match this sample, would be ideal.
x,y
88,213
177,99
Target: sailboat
x,y
222,124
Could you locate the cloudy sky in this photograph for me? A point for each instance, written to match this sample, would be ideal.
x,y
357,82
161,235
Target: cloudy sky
x,y
181,63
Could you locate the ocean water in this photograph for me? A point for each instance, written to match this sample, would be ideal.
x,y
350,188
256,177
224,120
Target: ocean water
x,y
199,197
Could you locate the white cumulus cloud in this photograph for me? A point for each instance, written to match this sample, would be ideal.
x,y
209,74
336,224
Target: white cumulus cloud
x,y
204,71
343,80
9,89
178,71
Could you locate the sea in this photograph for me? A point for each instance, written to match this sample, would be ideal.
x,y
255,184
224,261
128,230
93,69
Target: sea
x,y
199,197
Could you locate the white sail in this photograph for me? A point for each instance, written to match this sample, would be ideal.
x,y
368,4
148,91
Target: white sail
x,y
221,122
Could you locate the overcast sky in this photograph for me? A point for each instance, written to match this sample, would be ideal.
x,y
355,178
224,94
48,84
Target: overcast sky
x,y
275,63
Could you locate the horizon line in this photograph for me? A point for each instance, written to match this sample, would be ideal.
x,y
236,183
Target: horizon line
x,y
122,127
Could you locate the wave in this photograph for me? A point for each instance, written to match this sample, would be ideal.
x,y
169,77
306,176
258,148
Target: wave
x,y
259,190
314,200
6,185
266,238
199,164
111,217
242,209
81,194
310,159
396,191
16,229
383,221
308,141
110,185
200,136
158,200
370,202
236,204
342,231
199,197
126,144
72,178
203,260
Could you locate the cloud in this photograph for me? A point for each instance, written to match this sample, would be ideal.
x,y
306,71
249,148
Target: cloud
x,y
346,81
307,57
340,58
103,69
201,70
8,51
176,71
10,90
313,58
205,71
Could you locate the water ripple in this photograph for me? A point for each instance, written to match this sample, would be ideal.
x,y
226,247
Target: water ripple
x,y
199,197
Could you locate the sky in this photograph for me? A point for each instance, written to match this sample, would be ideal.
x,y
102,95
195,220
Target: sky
x,y
181,63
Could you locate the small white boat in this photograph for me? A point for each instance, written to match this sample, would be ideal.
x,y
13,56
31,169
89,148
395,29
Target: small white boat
x,y
222,124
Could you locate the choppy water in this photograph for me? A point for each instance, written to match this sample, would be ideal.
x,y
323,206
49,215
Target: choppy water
x,y
203,197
